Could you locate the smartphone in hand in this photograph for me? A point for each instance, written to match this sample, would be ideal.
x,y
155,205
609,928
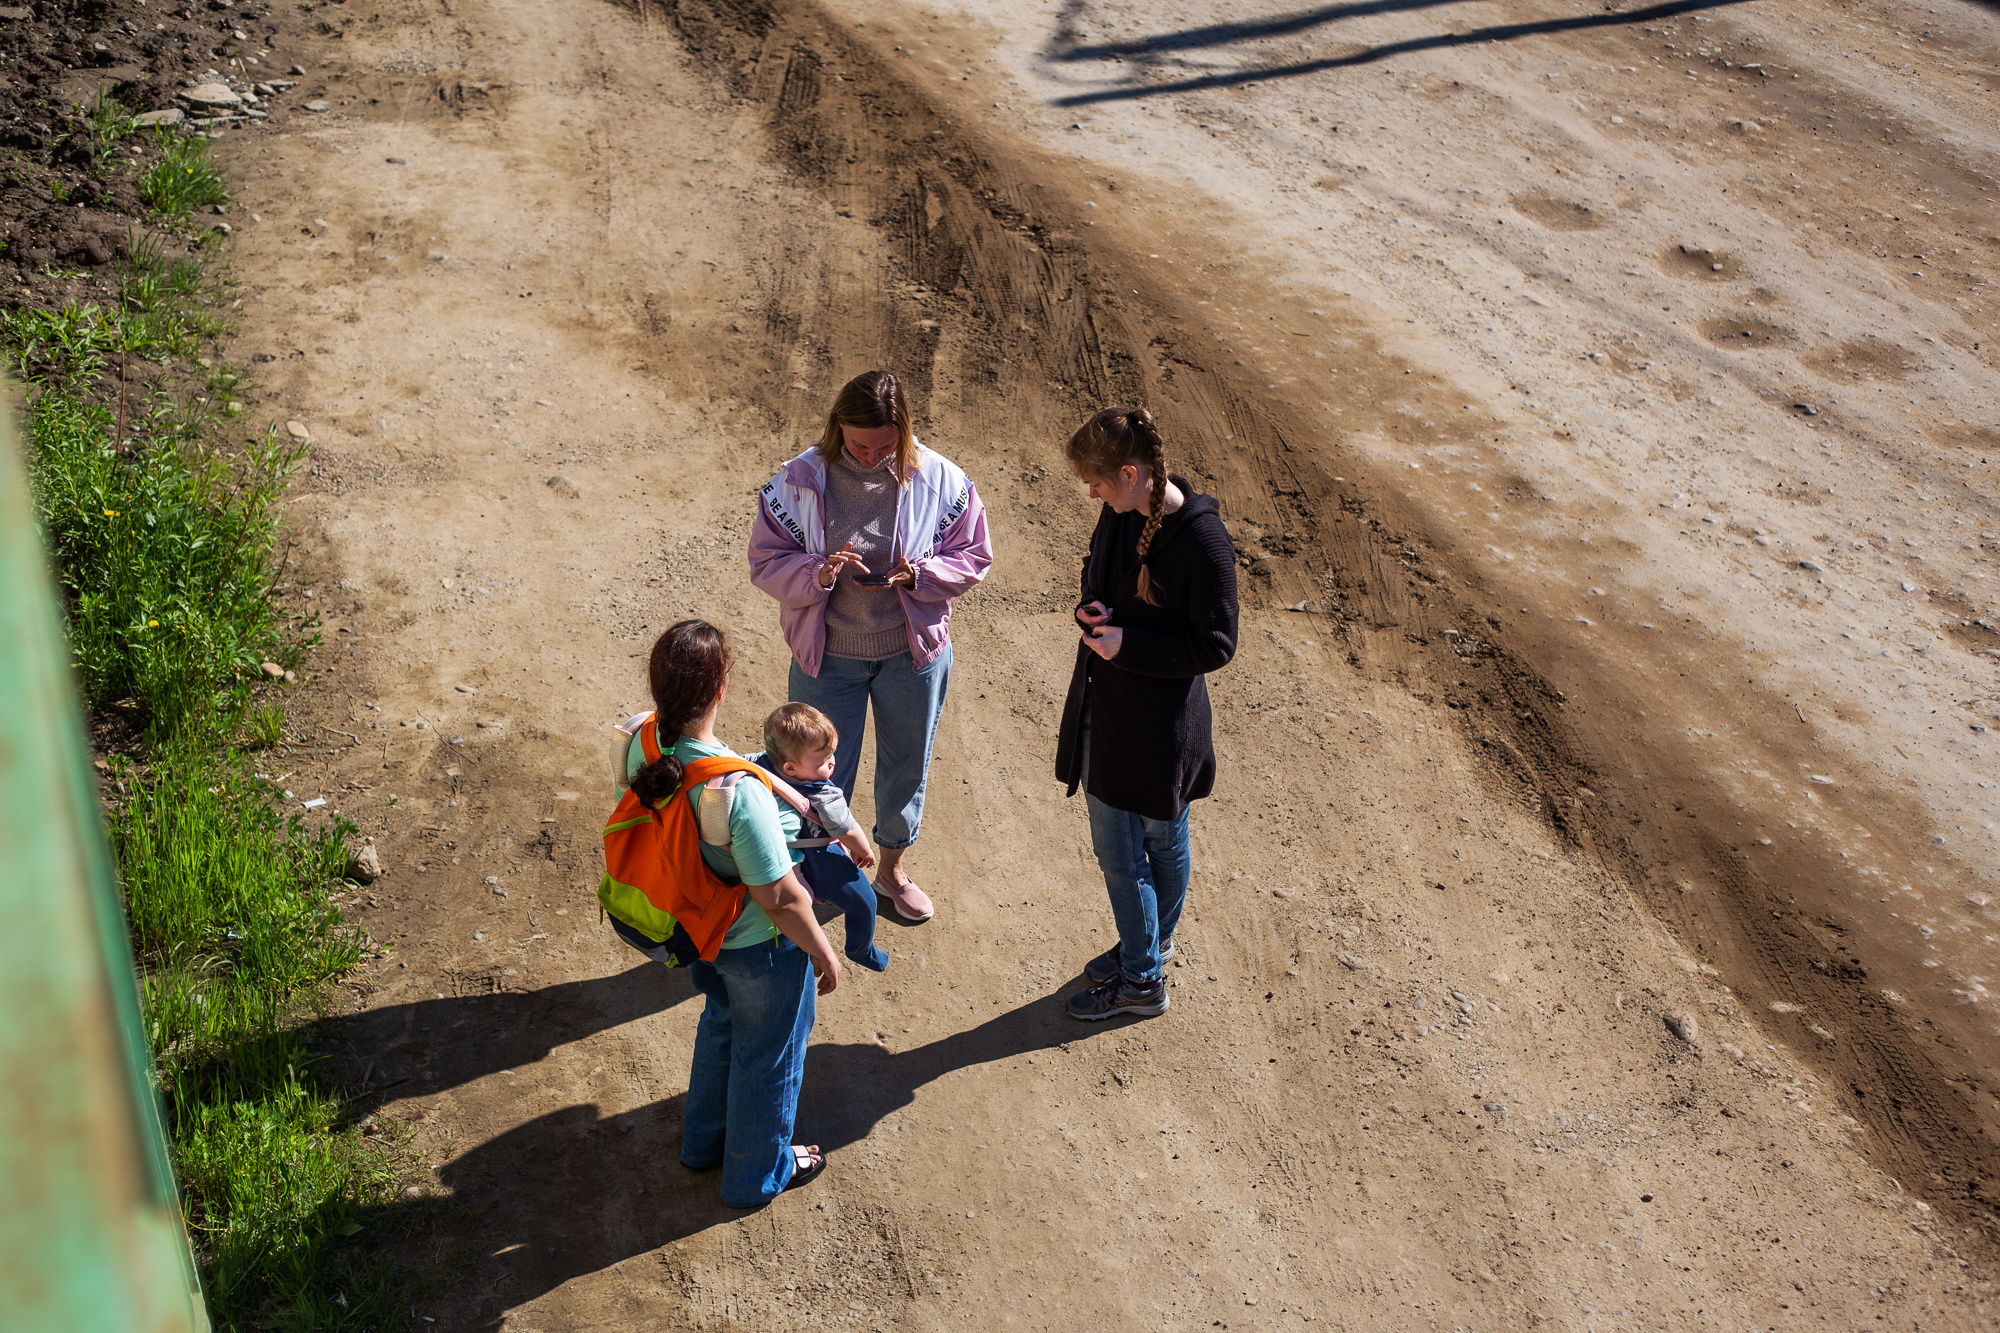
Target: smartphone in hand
x,y
872,580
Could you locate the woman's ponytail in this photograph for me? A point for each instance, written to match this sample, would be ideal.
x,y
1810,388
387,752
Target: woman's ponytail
x,y
687,672
658,780
1156,459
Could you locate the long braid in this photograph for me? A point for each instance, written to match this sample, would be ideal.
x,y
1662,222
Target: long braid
x,y
1156,449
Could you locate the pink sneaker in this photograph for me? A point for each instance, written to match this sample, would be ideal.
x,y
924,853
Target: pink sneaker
x,y
908,902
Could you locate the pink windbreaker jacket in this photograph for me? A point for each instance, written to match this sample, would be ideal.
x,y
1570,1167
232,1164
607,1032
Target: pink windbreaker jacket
x,y
940,527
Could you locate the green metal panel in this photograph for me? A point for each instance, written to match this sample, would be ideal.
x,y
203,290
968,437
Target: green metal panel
x,y
90,1230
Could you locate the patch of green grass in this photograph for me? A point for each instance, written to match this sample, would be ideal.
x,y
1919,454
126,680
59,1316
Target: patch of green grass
x,y
237,939
109,121
164,547
164,550
183,179
264,727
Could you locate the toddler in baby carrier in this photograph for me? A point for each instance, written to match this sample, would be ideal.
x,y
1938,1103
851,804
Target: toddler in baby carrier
x,y
799,743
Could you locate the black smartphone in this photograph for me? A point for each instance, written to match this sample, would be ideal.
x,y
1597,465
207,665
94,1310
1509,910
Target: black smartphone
x,y
872,580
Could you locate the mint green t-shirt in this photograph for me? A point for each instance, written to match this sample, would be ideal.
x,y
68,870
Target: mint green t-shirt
x,y
759,827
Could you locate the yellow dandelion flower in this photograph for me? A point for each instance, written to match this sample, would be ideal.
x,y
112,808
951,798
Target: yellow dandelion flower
x,y
152,624
111,513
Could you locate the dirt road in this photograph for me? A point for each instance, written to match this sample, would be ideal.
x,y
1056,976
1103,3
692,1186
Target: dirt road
x,y
1466,314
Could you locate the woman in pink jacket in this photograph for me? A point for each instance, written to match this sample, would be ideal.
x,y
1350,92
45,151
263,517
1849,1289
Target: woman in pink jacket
x,y
864,540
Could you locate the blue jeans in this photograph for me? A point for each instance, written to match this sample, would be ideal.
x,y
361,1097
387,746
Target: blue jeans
x,y
749,1060
907,705
832,878
1145,865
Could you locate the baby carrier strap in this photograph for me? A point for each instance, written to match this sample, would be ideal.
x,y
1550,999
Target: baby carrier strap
x,y
718,803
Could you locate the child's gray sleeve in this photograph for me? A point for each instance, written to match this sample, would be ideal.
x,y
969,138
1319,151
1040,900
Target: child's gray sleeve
x,y
830,811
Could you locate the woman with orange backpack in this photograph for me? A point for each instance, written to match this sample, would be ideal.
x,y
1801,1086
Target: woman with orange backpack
x,y
756,943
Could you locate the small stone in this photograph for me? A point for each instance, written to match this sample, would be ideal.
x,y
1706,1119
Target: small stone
x,y
1496,1106
1746,127
297,430
1909,586
1353,962
563,486
319,104
465,689
291,678
412,1192
296,69
173,115
1821,778
1810,566
366,865
1681,1024
211,94
1977,899
397,161
1806,408
273,670
1733,1052
1297,606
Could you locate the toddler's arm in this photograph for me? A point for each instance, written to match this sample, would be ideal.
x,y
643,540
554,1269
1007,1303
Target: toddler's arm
x,y
857,845
830,811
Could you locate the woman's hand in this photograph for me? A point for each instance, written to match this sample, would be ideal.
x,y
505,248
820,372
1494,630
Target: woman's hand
x,y
829,573
826,968
1104,639
904,575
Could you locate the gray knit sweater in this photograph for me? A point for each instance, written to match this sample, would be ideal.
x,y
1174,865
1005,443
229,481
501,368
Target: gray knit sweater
x,y
863,622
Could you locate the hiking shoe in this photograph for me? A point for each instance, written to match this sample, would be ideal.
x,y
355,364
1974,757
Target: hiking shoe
x,y
1106,966
1118,996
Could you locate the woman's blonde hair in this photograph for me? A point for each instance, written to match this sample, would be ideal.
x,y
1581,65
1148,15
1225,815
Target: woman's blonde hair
x,y
869,401
1107,442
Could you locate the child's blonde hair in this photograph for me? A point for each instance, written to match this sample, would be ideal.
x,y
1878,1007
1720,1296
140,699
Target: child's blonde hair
x,y
796,730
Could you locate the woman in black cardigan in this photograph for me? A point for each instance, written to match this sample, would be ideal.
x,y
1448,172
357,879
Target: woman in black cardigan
x,y
1158,612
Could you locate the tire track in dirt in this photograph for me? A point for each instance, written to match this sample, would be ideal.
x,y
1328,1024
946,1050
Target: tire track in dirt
x,y
996,237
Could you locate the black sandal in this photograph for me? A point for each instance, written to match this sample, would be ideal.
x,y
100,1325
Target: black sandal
x,y
807,1163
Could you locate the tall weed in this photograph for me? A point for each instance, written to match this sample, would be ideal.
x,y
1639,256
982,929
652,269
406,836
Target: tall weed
x,y
183,179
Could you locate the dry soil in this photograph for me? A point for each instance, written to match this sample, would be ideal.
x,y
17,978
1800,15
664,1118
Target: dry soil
x,y
1604,403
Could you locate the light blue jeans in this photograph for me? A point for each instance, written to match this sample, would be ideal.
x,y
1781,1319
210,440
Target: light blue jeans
x,y
749,1061
907,705
1146,865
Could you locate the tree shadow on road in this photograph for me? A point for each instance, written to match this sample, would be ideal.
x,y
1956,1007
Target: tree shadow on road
x,y
1144,51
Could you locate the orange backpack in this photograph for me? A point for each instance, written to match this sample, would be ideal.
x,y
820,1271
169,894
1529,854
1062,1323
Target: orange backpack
x,y
656,880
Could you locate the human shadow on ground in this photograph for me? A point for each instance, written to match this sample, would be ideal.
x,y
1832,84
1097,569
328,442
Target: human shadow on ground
x,y
575,1191
428,1046
1501,32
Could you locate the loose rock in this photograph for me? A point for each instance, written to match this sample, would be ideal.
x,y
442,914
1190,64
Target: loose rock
x,y
1353,963
366,865
212,94
173,115
1810,566
563,486
297,430
319,104
273,670
1682,1025
465,689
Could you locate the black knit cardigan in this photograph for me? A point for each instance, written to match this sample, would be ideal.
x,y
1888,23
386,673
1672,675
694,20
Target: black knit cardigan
x,y
1151,747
